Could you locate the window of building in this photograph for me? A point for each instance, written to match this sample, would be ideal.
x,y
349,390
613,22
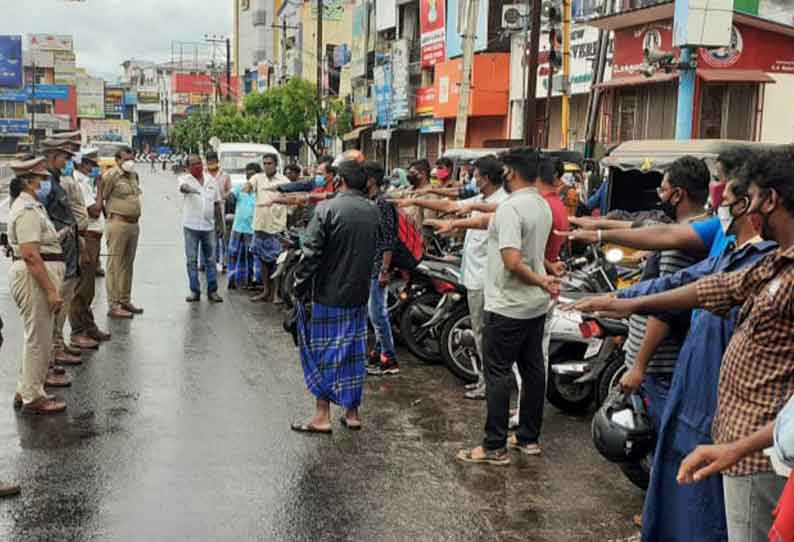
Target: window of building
x,y
332,73
12,110
727,111
645,112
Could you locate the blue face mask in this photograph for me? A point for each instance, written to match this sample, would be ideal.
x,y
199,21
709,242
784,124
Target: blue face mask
x,y
319,181
45,187
68,169
95,172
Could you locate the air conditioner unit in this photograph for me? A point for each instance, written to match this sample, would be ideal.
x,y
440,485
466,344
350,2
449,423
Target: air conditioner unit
x,y
513,16
260,17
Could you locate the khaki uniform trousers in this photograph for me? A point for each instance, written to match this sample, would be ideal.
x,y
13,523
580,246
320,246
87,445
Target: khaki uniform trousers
x,y
81,317
67,293
122,240
38,321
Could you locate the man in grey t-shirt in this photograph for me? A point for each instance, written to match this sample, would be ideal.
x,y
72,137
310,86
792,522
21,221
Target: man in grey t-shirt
x,y
517,292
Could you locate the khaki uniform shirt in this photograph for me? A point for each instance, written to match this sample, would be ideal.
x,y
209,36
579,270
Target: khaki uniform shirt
x,y
28,223
122,193
271,219
76,201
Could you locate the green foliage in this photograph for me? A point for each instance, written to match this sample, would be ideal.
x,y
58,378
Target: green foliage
x,y
290,110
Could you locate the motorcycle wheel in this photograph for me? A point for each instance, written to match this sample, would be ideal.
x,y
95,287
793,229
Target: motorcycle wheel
x,y
569,397
638,473
420,341
614,370
459,357
287,292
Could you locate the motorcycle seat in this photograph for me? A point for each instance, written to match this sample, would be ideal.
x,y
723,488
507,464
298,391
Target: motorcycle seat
x,y
613,327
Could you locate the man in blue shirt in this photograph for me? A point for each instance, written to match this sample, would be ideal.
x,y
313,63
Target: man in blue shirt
x,y
697,512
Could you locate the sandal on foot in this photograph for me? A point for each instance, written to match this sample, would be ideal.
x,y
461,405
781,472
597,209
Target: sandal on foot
x,y
489,457
309,428
527,449
355,426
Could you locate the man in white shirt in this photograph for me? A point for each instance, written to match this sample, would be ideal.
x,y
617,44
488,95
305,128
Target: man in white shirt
x,y
269,219
224,184
201,213
81,316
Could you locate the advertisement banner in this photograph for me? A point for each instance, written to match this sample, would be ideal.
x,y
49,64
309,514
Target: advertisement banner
x,y
114,101
385,14
383,93
425,101
65,68
14,127
43,92
11,61
431,18
106,130
90,98
584,45
50,42
262,74
358,43
401,88
456,27
431,126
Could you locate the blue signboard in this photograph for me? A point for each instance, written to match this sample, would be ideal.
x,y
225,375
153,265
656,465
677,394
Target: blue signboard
x,y
14,126
148,129
455,34
130,98
383,93
43,92
11,61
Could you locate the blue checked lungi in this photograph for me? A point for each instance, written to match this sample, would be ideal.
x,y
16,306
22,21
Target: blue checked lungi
x,y
266,246
244,269
333,351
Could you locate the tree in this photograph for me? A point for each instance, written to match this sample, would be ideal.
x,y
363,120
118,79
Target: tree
x,y
193,133
292,110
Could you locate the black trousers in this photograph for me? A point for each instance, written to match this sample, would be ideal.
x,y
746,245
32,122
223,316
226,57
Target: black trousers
x,y
507,341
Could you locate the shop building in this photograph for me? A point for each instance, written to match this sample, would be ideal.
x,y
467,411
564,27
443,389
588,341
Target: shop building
x,y
741,92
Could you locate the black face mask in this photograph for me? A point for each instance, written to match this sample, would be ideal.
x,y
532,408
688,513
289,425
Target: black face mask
x,y
669,208
413,179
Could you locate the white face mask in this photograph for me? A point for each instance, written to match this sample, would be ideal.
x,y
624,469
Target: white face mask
x,y
726,218
128,166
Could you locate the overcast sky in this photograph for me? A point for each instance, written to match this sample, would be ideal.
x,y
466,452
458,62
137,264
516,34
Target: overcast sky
x,y
107,32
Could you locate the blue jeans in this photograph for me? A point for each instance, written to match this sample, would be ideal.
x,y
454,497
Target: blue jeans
x,y
379,316
205,239
656,387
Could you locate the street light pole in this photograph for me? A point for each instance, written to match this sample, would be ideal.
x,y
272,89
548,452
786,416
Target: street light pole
x,y
33,110
228,69
461,123
320,138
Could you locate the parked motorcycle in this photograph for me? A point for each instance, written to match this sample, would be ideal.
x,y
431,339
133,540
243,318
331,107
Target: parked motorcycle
x,y
287,264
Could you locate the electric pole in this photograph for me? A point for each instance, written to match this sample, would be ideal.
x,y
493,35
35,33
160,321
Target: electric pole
x,y
284,27
461,123
320,137
33,109
532,83
566,72
228,70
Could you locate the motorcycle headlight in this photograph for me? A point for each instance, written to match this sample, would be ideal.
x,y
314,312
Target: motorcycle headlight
x,y
456,297
614,255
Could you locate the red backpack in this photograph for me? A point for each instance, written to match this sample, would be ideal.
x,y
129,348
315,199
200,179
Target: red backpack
x,y
409,249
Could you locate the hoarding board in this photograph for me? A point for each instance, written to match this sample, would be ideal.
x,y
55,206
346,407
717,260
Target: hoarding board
x,y
11,61
106,130
431,20
385,14
358,43
43,92
401,88
65,68
14,127
456,27
90,98
50,42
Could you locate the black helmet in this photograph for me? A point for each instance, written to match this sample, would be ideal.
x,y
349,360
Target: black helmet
x,y
622,429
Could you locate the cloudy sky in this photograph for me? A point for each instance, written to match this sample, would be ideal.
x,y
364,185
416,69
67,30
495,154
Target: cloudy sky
x,y
107,32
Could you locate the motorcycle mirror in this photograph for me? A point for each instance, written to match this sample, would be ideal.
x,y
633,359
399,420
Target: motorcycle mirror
x,y
614,255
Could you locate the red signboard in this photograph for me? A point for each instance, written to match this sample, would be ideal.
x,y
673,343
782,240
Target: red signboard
x,y
186,83
425,100
750,49
68,107
432,15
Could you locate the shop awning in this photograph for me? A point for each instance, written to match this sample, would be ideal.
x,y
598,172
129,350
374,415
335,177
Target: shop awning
x,y
356,133
636,80
734,76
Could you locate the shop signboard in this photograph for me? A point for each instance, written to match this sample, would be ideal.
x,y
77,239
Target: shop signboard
x,y
114,101
431,19
149,129
456,26
431,126
262,75
130,97
90,98
180,98
584,47
50,42
148,100
358,43
11,61
65,68
43,92
197,99
383,93
385,14
106,130
425,101
14,127
333,10
401,105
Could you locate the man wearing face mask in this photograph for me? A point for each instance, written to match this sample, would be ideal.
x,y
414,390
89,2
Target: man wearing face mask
x,y
224,184
756,375
81,316
61,210
691,402
119,196
201,212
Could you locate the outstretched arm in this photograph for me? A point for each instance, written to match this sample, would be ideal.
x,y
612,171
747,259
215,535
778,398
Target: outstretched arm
x,y
662,237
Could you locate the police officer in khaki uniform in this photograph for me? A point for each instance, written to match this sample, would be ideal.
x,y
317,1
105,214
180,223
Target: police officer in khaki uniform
x,y
35,279
120,197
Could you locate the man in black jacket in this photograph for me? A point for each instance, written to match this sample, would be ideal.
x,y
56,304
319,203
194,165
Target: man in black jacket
x,y
338,256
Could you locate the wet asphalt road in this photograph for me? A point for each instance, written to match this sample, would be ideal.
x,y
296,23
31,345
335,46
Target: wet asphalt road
x,y
178,429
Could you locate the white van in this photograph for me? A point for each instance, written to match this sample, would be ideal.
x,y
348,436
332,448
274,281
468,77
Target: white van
x,y
234,157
